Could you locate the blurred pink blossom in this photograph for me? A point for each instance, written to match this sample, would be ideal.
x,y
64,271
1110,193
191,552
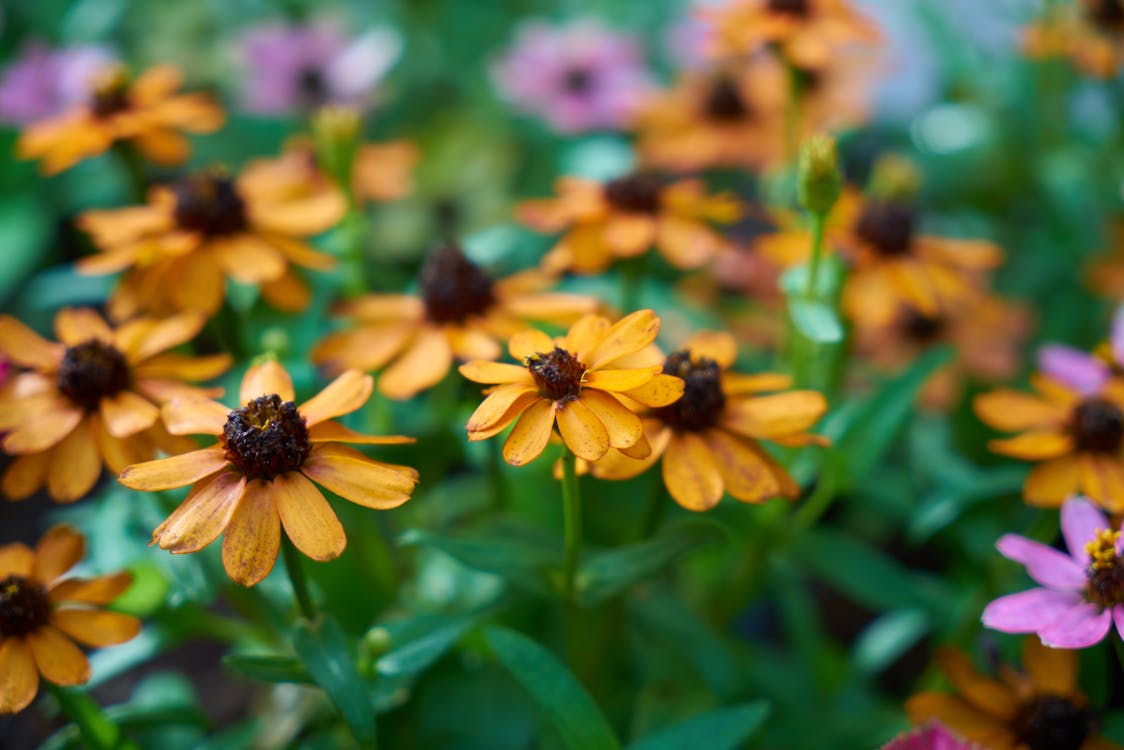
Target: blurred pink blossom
x,y
1084,372
43,82
577,77
933,736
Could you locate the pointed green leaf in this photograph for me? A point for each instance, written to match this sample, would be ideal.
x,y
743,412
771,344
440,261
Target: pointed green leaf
x,y
417,653
269,668
888,637
329,659
723,729
816,320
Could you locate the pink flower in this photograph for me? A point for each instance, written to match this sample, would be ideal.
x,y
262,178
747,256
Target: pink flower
x,y
43,82
1084,372
1081,592
293,67
578,77
933,736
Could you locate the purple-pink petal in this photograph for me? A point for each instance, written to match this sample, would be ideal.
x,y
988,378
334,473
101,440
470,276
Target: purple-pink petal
x,y
1118,616
1044,564
1079,627
1081,520
1029,611
933,736
1079,370
1116,337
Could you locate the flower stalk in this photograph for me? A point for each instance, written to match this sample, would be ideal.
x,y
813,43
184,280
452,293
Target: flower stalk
x,y
97,730
572,515
303,595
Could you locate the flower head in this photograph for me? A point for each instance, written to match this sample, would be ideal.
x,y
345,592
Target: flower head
x,y
42,610
145,112
177,250
577,382
43,83
1039,709
625,217
708,438
460,313
92,398
1081,593
259,477
578,77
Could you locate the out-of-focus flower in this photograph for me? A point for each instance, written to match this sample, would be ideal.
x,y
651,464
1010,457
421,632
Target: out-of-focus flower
x,y
1090,32
577,77
1084,372
1081,593
302,67
177,250
93,398
708,439
43,83
145,112
1076,439
806,33
626,217
577,382
380,171
42,613
1040,707
933,736
986,334
259,477
460,313
892,265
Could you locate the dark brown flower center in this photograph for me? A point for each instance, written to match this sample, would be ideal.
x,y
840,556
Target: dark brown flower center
x,y
703,398
1106,570
453,288
91,371
1108,14
578,80
637,193
923,329
1097,425
209,204
266,438
24,606
799,8
809,79
312,88
110,93
557,373
1051,722
887,226
724,103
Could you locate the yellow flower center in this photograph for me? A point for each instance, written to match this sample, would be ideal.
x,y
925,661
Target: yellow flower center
x,y
209,204
453,288
24,606
1106,570
724,103
703,398
110,92
266,438
1051,722
887,226
557,373
91,371
1097,425
636,194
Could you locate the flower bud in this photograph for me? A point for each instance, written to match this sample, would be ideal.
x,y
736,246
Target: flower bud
x,y
818,180
335,132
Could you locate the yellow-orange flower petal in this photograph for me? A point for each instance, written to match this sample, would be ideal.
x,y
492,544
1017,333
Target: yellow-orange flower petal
x,y
307,518
57,658
581,430
690,473
358,479
203,515
343,395
97,628
265,379
175,471
21,678
531,433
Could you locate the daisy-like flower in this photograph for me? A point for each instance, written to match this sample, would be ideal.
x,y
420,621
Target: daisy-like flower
x,y
1081,593
1077,439
461,313
42,613
177,250
626,217
1089,32
259,477
807,33
146,113
708,439
577,78
576,382
42,82
93,398
1038,709
892,264
302,67
933,736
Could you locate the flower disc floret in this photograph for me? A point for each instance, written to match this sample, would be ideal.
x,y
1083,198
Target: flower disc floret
x,y
888,227
1098,425
638,193
91,371
703,398
266,438
209,204
557,373
24,606
454,289
1052,722
724,103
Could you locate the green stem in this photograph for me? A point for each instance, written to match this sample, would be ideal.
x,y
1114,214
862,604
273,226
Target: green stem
x,y
632,273
98,732
818,502
819,221
792,116
654,510
495,473
355,228
299,581
572,512
131,161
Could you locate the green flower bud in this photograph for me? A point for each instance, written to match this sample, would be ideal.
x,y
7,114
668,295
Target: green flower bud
x,y
818,179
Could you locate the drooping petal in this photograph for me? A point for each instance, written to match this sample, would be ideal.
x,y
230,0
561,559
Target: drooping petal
x,y
623,426
334,432
176,471
248,259
307,517
20,680
989,695
51,428
620,380
498,406
178,367
95,627
750,474
59,550
203,515
531,433
194,416
1033,446
100,590
1014,411
425,361
630,334
1049,483
354,477
343,395
126,414
57,658
775,415
690,473
253,536
1028,611
1044,564
1080,522
75,465
1080,626
266,379
581,430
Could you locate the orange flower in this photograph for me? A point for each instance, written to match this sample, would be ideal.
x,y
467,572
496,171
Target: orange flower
x,y
380,172
92,398
1078,440
460,313
708,438
146,113
891,264
1090,32
577,381
1041,707
806,32
41,611
177,249
625,217
987,335
256,479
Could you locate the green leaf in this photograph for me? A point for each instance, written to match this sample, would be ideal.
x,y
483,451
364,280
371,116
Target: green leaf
x,y
557,693
888,637
132,718
816,320
329,659
414,655
608,573
723,729
269,668
24,223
